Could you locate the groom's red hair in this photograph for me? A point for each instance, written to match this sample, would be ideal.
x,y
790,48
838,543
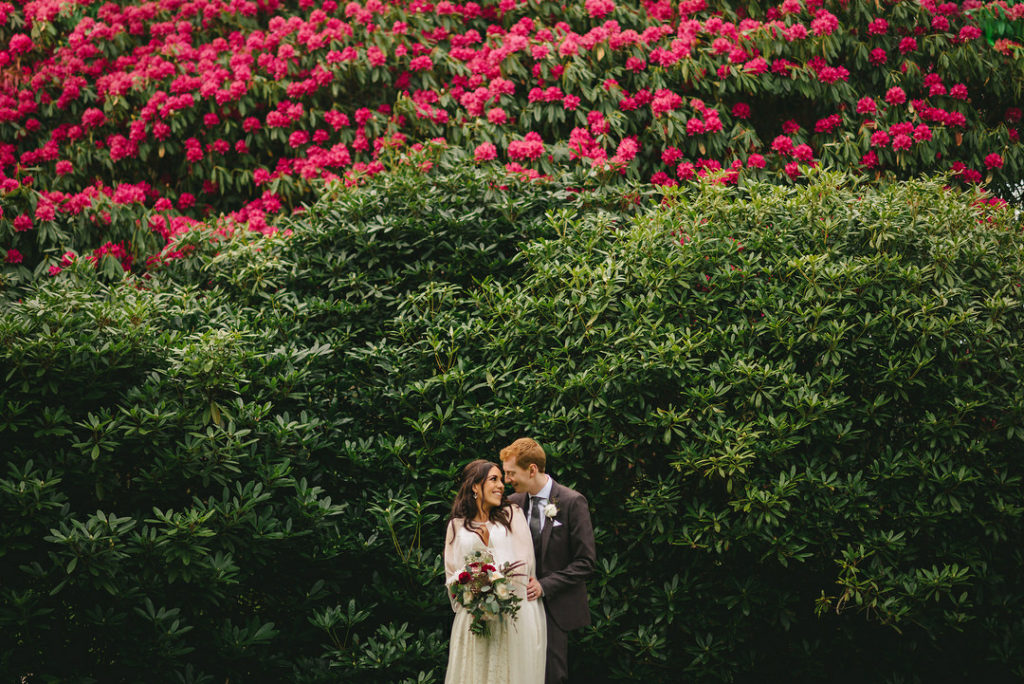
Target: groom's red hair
x,y
525,451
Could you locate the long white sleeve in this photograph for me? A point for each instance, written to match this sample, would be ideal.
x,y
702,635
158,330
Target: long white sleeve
x,y
522,545
453,565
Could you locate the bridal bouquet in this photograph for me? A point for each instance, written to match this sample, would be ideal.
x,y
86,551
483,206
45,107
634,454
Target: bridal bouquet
x,y
485,590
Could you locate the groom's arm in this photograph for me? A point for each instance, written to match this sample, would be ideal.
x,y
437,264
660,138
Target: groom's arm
x,y
582,550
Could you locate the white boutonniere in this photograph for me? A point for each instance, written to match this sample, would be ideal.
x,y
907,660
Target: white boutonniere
x,y
551,510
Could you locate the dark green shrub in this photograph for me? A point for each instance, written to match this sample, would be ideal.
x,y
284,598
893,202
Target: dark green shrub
x,y
796,413
191,482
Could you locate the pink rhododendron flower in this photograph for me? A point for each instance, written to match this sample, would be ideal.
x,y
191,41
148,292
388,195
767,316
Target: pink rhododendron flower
x,y
901,141
866,105
895,96
956,119
994,161
22,222
741,110
531,147
13,256
45,211
421,63
19,44
628,148
756,66
712,124
877,56
63,167
901,128
869,160
959,91
792,170
635,64
783,144
485,152
598,8
830,74
795,32
193,150
93,117
662,178
756,161
375,56
497,115
628,104
879,139
597,123
803,152
828,124
824,23
969,32
878,27
363,115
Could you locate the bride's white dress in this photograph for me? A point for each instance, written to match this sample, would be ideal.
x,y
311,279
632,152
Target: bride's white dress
x,y
514,653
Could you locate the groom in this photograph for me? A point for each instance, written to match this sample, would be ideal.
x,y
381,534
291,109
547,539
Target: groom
x,y
563,541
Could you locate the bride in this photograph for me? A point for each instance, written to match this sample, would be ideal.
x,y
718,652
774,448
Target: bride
x,y
514,651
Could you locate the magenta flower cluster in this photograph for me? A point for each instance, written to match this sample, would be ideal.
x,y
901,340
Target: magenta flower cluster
x,y
122,126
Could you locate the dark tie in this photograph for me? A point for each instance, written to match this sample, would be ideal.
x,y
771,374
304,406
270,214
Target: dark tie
x,y
535,519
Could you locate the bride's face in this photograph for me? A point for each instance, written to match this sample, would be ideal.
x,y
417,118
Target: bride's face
x,y
491,490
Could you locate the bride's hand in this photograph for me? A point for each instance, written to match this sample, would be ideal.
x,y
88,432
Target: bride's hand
x,y
533,590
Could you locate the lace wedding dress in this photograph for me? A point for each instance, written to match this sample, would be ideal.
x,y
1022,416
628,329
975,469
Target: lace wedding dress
x,y
514,653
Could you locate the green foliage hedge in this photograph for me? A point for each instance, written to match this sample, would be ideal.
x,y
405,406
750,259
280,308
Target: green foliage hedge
x,y
797,413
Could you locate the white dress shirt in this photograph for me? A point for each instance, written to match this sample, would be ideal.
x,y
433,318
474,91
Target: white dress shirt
x,y
544,495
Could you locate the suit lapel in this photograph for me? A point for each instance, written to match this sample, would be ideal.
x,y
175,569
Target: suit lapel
x,y
549,523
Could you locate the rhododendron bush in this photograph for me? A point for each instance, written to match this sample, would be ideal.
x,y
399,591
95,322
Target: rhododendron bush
x,y
796,412
122,124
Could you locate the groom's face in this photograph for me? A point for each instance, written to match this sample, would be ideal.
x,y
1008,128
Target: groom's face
x,y
515,476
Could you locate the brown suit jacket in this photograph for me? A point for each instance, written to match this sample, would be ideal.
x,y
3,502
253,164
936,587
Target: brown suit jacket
x,y
566,557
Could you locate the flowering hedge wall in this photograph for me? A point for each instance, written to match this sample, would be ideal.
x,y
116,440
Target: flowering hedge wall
x,y
121,124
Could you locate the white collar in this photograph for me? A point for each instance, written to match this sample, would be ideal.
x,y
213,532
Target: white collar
x,y
545,491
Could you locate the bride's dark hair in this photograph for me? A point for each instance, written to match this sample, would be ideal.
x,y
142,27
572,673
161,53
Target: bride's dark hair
x,y
464,507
